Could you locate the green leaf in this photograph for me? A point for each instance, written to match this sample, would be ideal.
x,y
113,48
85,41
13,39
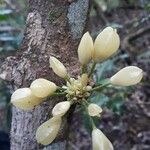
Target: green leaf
x,y
116,103
103,68
86,122
99,99
147,7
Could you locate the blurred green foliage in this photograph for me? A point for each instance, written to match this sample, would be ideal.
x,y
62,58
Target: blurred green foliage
x,y
147,7
111,97
5,114
108,5
11,25
12,20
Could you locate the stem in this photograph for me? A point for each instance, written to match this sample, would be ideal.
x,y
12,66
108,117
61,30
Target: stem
x,y
92,122
60,88
92,69
59,94
85,103
84,69
99,87
67,78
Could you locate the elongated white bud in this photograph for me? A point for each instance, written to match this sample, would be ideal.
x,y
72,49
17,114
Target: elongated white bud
x,y
42,88
85,49
100,141
24,99
127,76
58,67
106,44
94,110
61,108
48,131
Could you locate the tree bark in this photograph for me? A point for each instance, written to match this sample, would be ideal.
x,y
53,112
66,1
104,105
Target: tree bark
x,y
53,27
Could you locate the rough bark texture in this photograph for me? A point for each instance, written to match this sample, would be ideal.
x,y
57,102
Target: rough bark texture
x,y
53,27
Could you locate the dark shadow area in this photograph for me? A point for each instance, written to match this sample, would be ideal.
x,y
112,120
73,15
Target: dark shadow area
x,y
4,141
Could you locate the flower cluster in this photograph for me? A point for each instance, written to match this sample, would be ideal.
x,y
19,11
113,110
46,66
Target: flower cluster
x,y
77,90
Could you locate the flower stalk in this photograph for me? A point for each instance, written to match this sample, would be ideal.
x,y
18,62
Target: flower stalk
x,y
83,69
59,94
100,87
85,104
92,69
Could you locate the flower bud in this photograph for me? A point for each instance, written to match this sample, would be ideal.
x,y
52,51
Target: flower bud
x,y
85,49
24,99
88,88
42,88
100,141
61,108
94,110
58,67
127,76
106,44
48,131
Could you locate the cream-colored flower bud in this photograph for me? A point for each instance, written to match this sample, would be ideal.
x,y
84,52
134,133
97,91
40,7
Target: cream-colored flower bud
x,y
61,108
24,99
94,110
106,44
85,49
127,76
48,131
100,141
58,67
42,88
88,88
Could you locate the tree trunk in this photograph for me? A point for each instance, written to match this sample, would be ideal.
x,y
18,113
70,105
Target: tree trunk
x,y
53,27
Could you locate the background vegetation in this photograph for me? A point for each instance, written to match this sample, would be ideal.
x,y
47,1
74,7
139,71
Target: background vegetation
x,y
12,21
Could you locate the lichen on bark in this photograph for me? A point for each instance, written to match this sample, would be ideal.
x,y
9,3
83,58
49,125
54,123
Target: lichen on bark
x,y
76,17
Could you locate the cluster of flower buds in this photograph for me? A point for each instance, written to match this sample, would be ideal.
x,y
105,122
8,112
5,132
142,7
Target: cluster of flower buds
x,y
105,45
77,90
28,98
48,131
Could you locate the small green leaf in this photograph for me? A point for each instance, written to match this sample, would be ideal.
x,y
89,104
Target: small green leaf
x,y
99,99
103,68
86,122
116,103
